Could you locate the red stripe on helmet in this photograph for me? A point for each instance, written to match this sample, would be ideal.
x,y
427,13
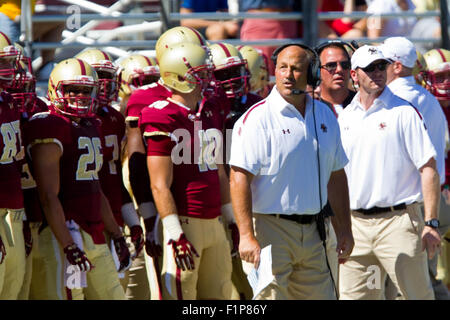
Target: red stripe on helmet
x,y
105,55
225,49
82,66
199,36
6,37
442,55
148,60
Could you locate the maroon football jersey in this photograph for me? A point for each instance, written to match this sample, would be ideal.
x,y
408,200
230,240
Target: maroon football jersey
x,y
81,144
32,204
113,131
143,97
11,196
195,186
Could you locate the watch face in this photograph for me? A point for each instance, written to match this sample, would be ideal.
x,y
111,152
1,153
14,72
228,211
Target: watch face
x,y
433,223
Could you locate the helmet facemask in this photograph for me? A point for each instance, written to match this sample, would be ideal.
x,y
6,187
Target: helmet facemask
x,y
77,97
439,82
233,79
143,77
108,85
9,64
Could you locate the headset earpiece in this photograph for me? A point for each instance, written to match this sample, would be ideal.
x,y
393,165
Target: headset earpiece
x,y
313,74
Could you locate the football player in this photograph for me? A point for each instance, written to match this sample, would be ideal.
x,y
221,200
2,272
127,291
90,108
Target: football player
x,y
65,145
189,184
140,87
24,95
113,130
437,81
12,248
232,75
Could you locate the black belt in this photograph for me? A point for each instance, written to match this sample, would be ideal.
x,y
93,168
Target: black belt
x,y
376,210
299,218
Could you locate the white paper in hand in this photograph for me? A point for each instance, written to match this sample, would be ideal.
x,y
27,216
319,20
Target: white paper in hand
x,y
262,277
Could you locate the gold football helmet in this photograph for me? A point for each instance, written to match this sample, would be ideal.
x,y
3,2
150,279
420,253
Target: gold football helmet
x,y
24,88
259,74
178,35
231,71
72,88
419,69
136,71
9,60
438,73
183,66
107,72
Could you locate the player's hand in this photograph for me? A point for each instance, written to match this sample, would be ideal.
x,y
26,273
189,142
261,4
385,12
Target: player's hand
x,y
28,239
235,238
2,251
122,253
77,257
152,248
183,252
431,241
137,238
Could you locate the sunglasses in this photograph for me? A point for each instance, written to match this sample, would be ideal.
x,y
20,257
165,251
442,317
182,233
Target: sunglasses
x,y
381,66
332,66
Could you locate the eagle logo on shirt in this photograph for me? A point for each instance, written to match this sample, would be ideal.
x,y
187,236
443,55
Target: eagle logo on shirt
x,y
323,127
373,51
382,125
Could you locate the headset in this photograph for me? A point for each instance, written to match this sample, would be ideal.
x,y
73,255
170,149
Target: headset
x,y
339,43
313,73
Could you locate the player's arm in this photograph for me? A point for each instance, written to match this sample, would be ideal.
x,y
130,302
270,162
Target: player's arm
x,y
241,198
160,169
137,167
431,238
45,159
340,203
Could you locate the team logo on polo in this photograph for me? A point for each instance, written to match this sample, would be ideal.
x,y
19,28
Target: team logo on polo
x,y
382,125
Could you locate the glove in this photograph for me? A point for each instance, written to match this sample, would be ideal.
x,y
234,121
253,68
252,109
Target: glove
x,y
137,239
28,239
152,248
77,257
122,253
2,251
183,252
235,238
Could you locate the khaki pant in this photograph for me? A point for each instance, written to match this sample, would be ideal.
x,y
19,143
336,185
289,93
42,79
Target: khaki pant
x,y
211,278
25,290
48,280
12,270
298,260
387,243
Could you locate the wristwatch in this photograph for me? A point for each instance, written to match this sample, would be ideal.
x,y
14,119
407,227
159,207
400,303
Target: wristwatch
x,y
434,223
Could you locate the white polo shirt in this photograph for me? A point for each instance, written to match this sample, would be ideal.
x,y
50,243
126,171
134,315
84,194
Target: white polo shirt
x,y
407,88
277,145
386,145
